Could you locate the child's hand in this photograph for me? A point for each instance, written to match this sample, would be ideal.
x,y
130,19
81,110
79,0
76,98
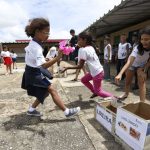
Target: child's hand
x,y
59,54
118,78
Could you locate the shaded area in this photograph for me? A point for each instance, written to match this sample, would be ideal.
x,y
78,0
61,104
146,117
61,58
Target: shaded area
x,y
22,122
109,139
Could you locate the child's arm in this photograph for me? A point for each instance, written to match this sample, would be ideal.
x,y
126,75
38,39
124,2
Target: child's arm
x,y
79,66
126,66
146,67
128,50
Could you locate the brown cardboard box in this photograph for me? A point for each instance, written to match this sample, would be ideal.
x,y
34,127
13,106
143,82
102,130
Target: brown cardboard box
x,y
133,125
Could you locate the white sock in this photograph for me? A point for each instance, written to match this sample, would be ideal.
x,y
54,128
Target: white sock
x,y
66,112
31,109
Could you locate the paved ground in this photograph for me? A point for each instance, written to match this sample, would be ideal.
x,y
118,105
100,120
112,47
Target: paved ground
x,y
53,131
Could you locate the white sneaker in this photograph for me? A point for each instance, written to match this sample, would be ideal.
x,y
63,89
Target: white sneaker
x,y
73,112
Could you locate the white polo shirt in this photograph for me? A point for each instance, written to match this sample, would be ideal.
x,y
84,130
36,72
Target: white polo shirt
x,y
140,60
106,52
5,54
122,50
89,55
34,55
13,55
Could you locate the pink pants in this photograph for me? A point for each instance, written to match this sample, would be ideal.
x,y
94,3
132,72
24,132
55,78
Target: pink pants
x,y
96,87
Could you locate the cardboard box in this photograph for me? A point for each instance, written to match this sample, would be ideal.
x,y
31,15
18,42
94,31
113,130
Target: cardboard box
x,y
105,114
133,125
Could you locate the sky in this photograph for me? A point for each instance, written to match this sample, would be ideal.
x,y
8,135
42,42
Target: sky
x,y
62,14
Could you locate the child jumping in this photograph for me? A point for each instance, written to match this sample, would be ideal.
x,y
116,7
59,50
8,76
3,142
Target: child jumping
x,y
87,54
35,76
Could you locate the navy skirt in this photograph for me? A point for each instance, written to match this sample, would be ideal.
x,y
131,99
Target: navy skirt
x,y
36,83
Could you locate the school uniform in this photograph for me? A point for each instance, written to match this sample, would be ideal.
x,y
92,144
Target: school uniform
x,y
6,57
122,55
106,63
140,60
14,57
35,78
96,73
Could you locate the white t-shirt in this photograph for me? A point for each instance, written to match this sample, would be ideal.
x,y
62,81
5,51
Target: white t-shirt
x,y
122,50
5,54
106,52
34,56
13,55
51,54
89,55
140,60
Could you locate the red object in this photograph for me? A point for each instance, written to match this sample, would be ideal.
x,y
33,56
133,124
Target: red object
x,y
7,60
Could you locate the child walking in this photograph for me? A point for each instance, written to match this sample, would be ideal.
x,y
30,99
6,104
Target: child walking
x,y
14,59
35,79
87,54
6,57
138,61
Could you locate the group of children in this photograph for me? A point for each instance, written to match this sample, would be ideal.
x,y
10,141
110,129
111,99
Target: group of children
x,y
37,83
8,58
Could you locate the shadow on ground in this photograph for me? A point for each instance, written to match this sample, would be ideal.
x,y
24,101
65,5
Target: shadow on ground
x,y
109,139
23,122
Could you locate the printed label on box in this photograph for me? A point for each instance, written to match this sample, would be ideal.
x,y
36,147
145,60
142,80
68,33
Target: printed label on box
x,y
104,117
131,129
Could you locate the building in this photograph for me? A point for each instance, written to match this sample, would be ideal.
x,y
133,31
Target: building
x,y
128,18
19,45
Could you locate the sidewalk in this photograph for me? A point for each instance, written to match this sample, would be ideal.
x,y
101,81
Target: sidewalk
x,y
79,95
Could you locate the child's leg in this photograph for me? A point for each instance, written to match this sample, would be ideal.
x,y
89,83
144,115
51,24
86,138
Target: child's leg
x,y
36,103
32,109
128,81
10,68
142,88
106,70
97,86
7,68
56,98
58,101
118,66
85,80
16,65
13,65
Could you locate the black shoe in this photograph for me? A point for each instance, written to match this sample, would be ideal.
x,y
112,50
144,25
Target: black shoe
x,y
34,113
94,95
